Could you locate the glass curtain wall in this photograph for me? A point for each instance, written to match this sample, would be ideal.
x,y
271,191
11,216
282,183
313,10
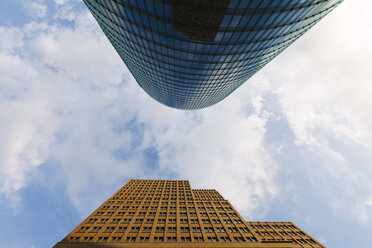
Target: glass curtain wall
x,y
191,54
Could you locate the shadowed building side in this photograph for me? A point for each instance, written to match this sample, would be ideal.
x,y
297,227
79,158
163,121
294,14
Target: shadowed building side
x,y
199,19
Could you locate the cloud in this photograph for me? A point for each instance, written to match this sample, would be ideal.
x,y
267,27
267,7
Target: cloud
x,y
218,148
369,202
11,38
36,8
323,86
23,143
333,61
68,98
40,83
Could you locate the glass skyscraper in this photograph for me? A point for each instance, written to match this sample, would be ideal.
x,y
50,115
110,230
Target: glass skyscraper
x,y
191,54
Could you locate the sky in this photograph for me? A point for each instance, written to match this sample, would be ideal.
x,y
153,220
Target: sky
x,y
294,143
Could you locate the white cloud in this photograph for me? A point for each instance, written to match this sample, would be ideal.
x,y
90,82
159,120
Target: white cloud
x,y
60,2
323,86
65,9
25,133
11,38
369,202
40,85
66,95
218,148
75,101
325,77
36,8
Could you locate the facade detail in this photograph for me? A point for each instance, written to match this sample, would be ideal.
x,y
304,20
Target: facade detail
x,y
168,213
191,54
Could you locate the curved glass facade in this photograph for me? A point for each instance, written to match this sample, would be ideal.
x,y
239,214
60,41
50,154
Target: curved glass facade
x,y
191,54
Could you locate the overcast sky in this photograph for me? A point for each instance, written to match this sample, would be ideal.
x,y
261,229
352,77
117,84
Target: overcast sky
x,y
294,143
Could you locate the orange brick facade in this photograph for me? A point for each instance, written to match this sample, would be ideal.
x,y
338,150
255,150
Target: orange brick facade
x,y
168,213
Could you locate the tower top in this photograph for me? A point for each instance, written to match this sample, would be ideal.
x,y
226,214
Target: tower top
x,y
191,54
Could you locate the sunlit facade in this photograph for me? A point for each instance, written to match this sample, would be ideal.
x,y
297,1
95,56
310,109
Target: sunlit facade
x,y
169,214
191,54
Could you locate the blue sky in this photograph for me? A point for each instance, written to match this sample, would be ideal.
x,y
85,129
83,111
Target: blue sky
x,y
295,140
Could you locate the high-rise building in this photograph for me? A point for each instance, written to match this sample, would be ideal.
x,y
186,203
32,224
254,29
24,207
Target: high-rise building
x,y
191,54
169,214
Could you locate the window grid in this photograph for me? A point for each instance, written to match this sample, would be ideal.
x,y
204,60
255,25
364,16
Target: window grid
x,y
192,54
162,211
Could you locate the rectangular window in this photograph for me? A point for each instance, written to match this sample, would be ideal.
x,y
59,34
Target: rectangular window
x,y
172,239
144,239
130,239
239,239
88,239
102,239
185,239
225,239
109,229
115,239
121,229
212,239
198,239
158,239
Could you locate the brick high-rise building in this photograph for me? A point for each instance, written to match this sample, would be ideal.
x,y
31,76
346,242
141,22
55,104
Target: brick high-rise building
x,y
168,213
